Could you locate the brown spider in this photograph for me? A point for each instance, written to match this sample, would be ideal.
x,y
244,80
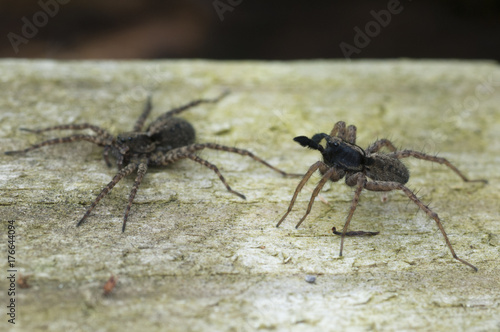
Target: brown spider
x,y
165,141
343,158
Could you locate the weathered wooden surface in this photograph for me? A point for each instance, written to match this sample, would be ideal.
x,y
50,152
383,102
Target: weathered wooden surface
x,y
196,258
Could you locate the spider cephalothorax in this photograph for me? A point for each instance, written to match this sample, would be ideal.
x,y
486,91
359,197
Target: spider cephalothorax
x,y
349,158
343,158
165,141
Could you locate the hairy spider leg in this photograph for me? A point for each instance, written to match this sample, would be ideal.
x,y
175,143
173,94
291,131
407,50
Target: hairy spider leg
x,y
162,119
388,186
439,160
105,155
213,146
214,168
351,134
141,171
339,130
379,144
247,153
187,152
139,123
120,175
73,138
315,193
360,180
346,133
102,134
184,152
314,167
82,126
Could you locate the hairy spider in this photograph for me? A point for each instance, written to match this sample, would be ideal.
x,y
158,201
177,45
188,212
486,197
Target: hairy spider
x,y
166,140
343,158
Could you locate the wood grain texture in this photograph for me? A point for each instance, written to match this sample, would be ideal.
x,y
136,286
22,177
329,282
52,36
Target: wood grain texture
x,y
195,257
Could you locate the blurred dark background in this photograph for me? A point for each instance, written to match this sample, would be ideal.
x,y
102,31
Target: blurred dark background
x,y
250,29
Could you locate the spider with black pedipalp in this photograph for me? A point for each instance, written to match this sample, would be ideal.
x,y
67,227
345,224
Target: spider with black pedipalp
x,y
343,158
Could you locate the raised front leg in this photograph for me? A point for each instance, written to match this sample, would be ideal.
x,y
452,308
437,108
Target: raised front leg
x,y
351,134
139,123
339,130
162,119
379,144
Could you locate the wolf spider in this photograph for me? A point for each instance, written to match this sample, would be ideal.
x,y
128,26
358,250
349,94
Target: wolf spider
x,y
343,158
165,141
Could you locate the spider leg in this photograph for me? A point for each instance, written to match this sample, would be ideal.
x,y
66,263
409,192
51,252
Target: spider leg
x,y
339,130
73,138
141,171
360,181
379,144
107,140
314,167
82,126
185,152
214,168
105,155
321,183
120,175
162,119
388,186
439,160
351,134
351,181
213,146
145,113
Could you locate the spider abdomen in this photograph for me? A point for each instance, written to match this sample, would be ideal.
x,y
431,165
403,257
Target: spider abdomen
x,y
385,168
175,133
